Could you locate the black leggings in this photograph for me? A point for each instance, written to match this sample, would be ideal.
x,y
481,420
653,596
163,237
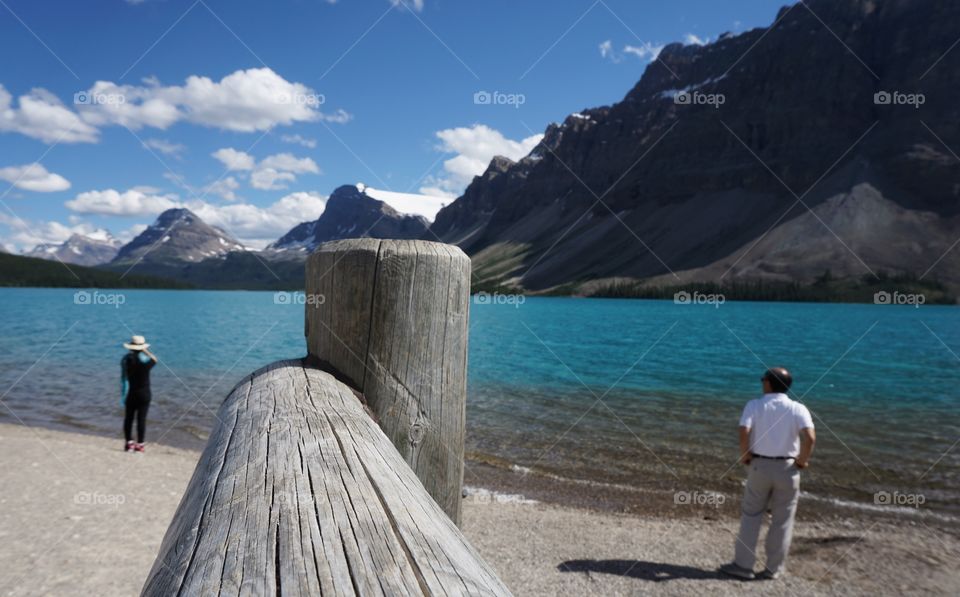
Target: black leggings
x,y
137,405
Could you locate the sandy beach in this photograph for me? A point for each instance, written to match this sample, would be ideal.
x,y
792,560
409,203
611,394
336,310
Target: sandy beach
x,y
80,517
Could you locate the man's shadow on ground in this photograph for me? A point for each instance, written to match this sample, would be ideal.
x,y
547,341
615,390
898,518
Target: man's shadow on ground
x,y
652,571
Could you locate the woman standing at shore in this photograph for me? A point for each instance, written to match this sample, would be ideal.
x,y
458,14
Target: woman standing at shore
x,y
135,389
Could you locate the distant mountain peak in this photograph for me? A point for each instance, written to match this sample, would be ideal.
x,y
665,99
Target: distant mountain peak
x,y
174,215
88,250
349,190
178,236
500,163
351,213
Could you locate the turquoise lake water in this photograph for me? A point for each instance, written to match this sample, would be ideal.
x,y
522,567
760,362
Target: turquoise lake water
x,y
633,392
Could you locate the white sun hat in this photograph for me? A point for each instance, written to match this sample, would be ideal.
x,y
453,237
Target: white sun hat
x,y
136,343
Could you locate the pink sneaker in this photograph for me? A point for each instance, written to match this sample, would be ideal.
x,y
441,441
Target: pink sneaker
x,y
131,445
138,447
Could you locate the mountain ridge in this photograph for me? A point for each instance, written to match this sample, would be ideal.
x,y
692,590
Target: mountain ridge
x,y
179,245
79,249
655,186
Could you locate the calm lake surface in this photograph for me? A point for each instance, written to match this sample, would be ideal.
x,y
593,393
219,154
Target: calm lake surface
x,y
641,393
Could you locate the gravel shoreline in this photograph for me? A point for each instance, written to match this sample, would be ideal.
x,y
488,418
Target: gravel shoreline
x,y
80,517
709,503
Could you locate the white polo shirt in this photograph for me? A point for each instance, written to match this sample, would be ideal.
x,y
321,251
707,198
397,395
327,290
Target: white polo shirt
x,y
775,421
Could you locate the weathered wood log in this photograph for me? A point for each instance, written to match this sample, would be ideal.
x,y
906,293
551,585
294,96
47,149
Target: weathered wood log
x,y
391,316
299,492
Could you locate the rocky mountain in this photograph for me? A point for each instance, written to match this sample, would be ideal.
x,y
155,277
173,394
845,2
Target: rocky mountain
x,y
822,142
79,250
177,237
350,212
180,246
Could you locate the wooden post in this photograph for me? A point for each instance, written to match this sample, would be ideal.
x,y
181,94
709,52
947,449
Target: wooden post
x,y
391,317
299,492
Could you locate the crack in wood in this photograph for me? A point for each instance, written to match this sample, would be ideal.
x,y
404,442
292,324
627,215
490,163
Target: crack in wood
x,y
371,527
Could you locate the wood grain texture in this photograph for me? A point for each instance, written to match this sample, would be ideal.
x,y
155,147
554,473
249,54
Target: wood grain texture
x,y
299,492
394,321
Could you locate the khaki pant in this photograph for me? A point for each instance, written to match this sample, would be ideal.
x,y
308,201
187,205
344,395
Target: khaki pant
x,y
774,485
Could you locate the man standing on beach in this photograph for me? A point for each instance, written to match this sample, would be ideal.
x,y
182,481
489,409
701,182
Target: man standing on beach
x,y
776,441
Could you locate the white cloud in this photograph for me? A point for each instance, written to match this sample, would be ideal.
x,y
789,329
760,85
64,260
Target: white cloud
x,y
645,51
130,233
133,202
340,116
299,140
24,235
256,99
165,147
691,39
253,225
258,226
290,163
41,115
607,51
234,159
225,188
270,179
34,177
272,172
475,146
131,106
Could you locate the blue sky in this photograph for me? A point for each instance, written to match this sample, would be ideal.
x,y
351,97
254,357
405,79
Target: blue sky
x,y
251,113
